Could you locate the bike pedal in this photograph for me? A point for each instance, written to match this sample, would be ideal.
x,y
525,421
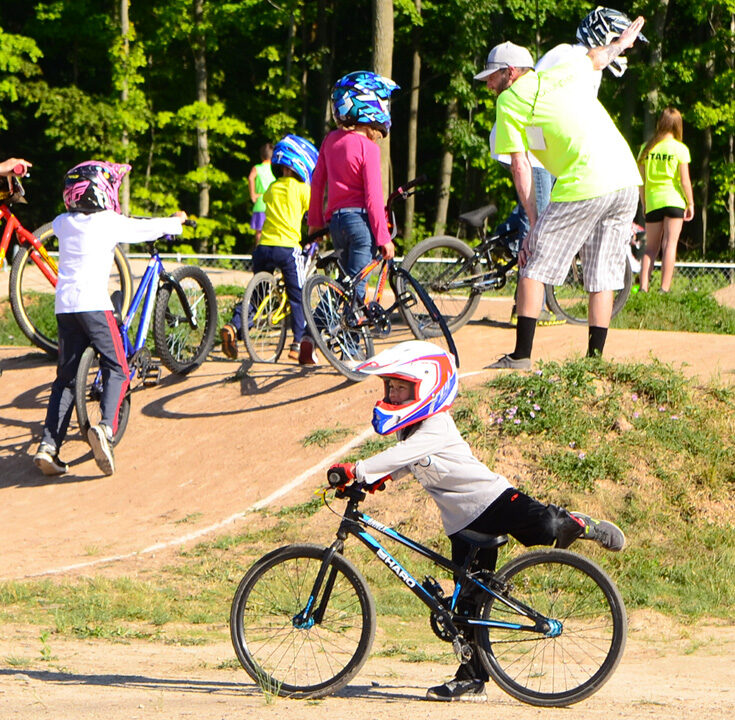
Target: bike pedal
x,y
152,376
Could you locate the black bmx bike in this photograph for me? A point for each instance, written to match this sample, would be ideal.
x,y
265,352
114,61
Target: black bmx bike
x,y
549,626
456,274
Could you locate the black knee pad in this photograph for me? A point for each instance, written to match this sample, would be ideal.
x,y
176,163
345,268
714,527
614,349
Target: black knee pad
x,y
563,526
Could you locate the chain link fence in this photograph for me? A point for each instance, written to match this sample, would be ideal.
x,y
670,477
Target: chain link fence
x,y
697,275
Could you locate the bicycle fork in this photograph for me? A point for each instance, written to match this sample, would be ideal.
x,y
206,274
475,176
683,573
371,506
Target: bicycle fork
x,y
312,615
191,318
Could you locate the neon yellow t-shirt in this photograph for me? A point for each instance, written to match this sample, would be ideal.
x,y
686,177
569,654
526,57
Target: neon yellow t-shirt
x,y
582,146
264,177
663,182
286,202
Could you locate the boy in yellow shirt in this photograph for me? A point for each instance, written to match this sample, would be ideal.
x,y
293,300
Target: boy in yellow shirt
x,y
286,202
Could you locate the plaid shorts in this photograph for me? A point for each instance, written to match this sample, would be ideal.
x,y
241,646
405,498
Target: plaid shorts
x,y
598,229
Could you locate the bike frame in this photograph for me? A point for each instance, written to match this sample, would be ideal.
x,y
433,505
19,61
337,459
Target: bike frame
x,y
46,264
353,522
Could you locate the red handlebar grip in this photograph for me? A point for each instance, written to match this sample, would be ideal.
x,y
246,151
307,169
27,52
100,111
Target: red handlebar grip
x,y
20,169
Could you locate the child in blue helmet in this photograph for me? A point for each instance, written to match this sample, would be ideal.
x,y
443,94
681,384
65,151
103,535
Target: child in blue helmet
x,y
421,384
347,192
286,202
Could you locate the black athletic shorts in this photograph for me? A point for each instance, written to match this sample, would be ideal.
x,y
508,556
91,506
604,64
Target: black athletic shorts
x,y
659,214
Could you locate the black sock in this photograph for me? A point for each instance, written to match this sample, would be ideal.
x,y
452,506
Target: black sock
x,y
525,331
597,338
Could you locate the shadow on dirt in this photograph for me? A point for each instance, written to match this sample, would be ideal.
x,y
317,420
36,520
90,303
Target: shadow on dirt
x,y
251,385
383,693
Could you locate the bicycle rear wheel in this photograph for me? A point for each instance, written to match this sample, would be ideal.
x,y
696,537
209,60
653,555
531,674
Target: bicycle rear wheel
x,y
290,657
264,311
88,394
571,301
326,307
446,266
420,313
32,295
182,345
564,666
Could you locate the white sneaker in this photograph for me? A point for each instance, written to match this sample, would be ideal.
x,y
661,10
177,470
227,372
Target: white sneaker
x,y
47,461
100,438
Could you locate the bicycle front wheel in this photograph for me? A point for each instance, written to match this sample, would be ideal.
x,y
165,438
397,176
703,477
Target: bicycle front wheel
x,y
32,293
448,269
327,305
571,661
265,308
420,313
181,343
571,301
88,394
285,654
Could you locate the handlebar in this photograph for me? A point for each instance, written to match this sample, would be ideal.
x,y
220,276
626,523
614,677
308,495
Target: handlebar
x,y
189,223
20,170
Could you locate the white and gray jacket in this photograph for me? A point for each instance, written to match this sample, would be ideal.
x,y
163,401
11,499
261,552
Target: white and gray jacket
x,y
443,463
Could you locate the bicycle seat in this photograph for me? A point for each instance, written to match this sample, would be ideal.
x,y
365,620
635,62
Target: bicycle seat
x,y
482,540
326,259
476,218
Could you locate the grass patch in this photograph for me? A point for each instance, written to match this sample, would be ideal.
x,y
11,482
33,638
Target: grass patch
x,y
325,436
638,444
687,308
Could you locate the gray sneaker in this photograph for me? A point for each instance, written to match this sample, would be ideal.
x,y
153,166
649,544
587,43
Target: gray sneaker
x,y
603,532
47,461
506,362
100,438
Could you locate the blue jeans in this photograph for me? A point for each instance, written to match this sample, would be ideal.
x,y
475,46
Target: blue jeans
x,y
290,261
351,233
517,221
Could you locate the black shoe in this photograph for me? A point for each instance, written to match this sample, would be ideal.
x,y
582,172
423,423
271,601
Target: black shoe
x,y
458,690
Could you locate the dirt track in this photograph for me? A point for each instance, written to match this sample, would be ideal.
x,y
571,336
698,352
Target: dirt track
x,y
207,449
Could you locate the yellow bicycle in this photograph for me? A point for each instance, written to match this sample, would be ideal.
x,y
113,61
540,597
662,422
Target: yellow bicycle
x,y
266,307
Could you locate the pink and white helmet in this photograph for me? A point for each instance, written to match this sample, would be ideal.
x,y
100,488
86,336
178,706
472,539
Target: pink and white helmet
x,y
93,186
428,368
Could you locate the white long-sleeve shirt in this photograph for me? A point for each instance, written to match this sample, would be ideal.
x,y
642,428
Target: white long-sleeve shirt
x,y
443,463
86,253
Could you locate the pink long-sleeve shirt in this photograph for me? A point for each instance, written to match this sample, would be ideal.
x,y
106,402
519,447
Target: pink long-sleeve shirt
x,y
348,167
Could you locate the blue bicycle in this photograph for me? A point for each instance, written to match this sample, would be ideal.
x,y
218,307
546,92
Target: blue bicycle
x,y
182,307
549,626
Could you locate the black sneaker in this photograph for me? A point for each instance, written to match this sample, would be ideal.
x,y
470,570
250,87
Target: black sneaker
x,y
603,532
458,690
100,438
47,461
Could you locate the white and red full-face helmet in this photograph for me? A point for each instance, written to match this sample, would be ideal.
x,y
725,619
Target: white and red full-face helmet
x,y
93,186
429,369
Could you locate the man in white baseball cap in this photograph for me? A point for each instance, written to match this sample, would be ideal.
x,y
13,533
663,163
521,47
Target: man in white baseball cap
x,y
553,114
503,56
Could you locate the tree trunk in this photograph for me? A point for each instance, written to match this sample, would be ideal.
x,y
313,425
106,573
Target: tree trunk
x,y
655,35
383,65
445,176
325,46
200,69
124,32
413,124
704,178
731,154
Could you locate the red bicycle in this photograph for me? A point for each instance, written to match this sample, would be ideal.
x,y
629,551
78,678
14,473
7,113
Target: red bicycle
x,y
34,271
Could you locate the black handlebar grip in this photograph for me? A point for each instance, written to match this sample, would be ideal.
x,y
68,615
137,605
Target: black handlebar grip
x,y
317,234
416,181
334,478
189,223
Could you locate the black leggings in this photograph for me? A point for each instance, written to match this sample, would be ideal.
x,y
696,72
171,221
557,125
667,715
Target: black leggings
x,y
528,521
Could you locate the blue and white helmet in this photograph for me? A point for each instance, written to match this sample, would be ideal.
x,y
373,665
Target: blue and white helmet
x,y
428,368
363,97
296,153
603,26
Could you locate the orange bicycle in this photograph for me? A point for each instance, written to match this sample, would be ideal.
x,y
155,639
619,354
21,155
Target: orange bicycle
x,y
34,272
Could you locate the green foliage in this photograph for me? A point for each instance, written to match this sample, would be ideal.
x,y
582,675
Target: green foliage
x,y
689,307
